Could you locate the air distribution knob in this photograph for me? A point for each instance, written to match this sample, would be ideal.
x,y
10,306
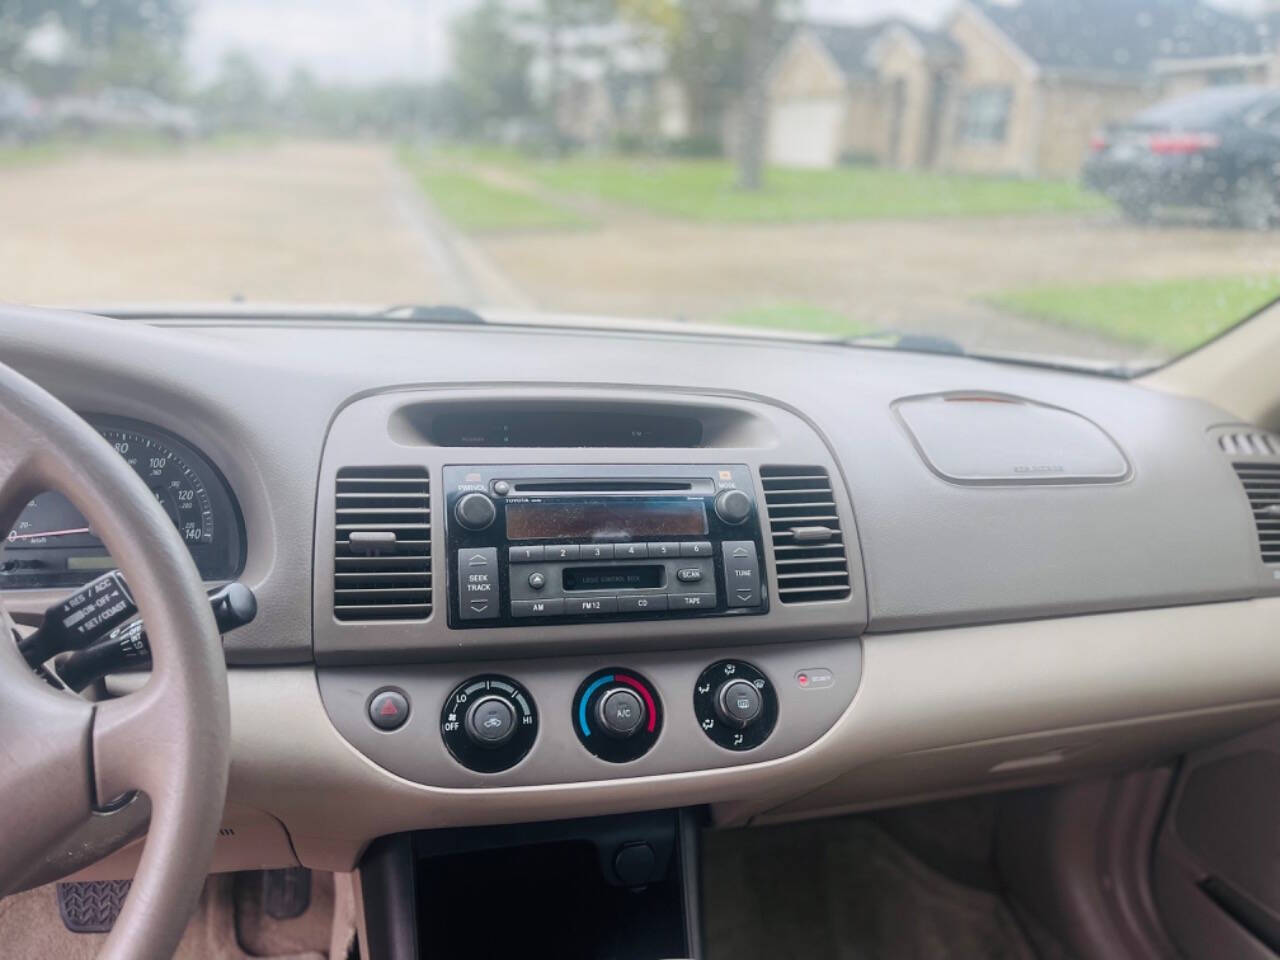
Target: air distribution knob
x,y
733,506
475,511
738,703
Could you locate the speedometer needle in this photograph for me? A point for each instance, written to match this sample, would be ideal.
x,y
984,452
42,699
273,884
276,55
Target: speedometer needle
x,y
48,533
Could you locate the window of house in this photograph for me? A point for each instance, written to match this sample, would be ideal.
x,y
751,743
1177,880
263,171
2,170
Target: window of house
x,y
984,115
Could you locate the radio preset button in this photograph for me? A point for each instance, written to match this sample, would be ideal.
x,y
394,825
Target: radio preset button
x,y
689,574
642,604
537,608
525,554
662,551
631,551
696,548
692,601
590,606
741,573
478,583
596,551
561,551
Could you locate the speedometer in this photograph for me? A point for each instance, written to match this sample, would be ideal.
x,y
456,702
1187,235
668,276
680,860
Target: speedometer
x,y
52,544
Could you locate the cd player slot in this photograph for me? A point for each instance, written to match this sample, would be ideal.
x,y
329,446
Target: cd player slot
x,y
630,486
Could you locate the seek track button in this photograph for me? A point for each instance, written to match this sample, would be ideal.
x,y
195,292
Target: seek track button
x,y
478,583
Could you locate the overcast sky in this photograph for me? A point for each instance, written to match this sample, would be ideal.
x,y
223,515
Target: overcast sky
x,y
363,41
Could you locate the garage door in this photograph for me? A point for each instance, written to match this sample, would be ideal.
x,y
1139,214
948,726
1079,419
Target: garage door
x,y
805,133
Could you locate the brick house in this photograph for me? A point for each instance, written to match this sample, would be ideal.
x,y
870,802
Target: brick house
x,y
1011,87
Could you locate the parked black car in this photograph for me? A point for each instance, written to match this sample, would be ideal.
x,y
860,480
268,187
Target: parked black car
x,y
1217,149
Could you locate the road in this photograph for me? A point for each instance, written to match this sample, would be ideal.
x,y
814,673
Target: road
x,y
342,223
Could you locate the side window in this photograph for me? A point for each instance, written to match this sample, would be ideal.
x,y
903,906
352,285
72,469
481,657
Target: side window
x,y
984,115
1268,119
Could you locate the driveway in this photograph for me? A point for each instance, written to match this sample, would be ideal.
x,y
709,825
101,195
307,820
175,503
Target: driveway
x,y
309,222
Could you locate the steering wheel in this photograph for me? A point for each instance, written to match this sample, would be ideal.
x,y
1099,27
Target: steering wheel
x,y
62,757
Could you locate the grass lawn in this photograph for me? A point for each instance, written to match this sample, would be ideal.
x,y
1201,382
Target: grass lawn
x,y
703,190
1176,315
477,206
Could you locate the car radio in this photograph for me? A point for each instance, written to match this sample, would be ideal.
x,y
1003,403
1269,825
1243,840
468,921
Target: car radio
x,y
537,544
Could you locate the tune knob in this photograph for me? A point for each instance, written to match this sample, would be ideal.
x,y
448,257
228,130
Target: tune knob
x,y
733,506
475,511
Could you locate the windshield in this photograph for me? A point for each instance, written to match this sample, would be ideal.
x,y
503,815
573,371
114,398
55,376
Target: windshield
x,y
962,175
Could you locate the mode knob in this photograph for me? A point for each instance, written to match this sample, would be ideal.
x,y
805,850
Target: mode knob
x,y
475,511
738,703
733,506
620,712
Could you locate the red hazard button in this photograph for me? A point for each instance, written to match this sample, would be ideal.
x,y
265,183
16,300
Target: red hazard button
x,y
388,709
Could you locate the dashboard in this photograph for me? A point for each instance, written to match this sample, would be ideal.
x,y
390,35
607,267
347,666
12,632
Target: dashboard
x,y
514,573
52,545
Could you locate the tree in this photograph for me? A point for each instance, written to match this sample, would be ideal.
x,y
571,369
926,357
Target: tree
x,y
557,27
490,68
755,95
239,95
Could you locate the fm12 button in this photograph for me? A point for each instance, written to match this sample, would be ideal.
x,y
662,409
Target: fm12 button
x,y
478,583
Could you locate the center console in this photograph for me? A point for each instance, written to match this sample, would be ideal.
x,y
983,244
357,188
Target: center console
x,y
527,586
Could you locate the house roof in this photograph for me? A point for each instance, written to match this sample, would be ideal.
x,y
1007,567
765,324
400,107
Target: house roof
x,y
1120,36
852,46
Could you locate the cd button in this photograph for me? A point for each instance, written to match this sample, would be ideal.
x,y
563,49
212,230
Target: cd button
x,y
537,608
696,548
642,604
631,551
590,606
692,601
596,551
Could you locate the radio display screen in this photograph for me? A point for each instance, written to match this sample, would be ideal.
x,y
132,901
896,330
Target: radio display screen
x,y
623,577
605,519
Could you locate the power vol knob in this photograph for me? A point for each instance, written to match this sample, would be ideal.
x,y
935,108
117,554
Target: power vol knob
x,y
475,511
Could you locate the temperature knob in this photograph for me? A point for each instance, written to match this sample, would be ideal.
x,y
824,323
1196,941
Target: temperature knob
x,y
475,511
617,715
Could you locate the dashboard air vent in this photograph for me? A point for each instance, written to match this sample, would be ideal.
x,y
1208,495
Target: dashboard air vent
x,y
1262,486
1250,442
382,544
808,545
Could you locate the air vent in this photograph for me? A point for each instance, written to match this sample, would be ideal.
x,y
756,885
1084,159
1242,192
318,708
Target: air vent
x,y
808,545
1250,442
1262,485
382,544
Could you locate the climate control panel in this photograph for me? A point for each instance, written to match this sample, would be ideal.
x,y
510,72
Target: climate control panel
x,y
525,722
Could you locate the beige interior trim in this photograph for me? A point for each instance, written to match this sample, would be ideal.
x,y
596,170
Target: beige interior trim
x,y
920,691
1236,372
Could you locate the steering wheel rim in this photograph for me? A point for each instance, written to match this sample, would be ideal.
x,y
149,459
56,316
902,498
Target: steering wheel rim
x,y
64,756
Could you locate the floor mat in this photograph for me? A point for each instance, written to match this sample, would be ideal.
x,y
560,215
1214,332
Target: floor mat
x,y
844,890
32,929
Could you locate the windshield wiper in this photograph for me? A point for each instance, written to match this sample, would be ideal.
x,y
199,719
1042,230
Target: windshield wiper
x,y
900,340
430,313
